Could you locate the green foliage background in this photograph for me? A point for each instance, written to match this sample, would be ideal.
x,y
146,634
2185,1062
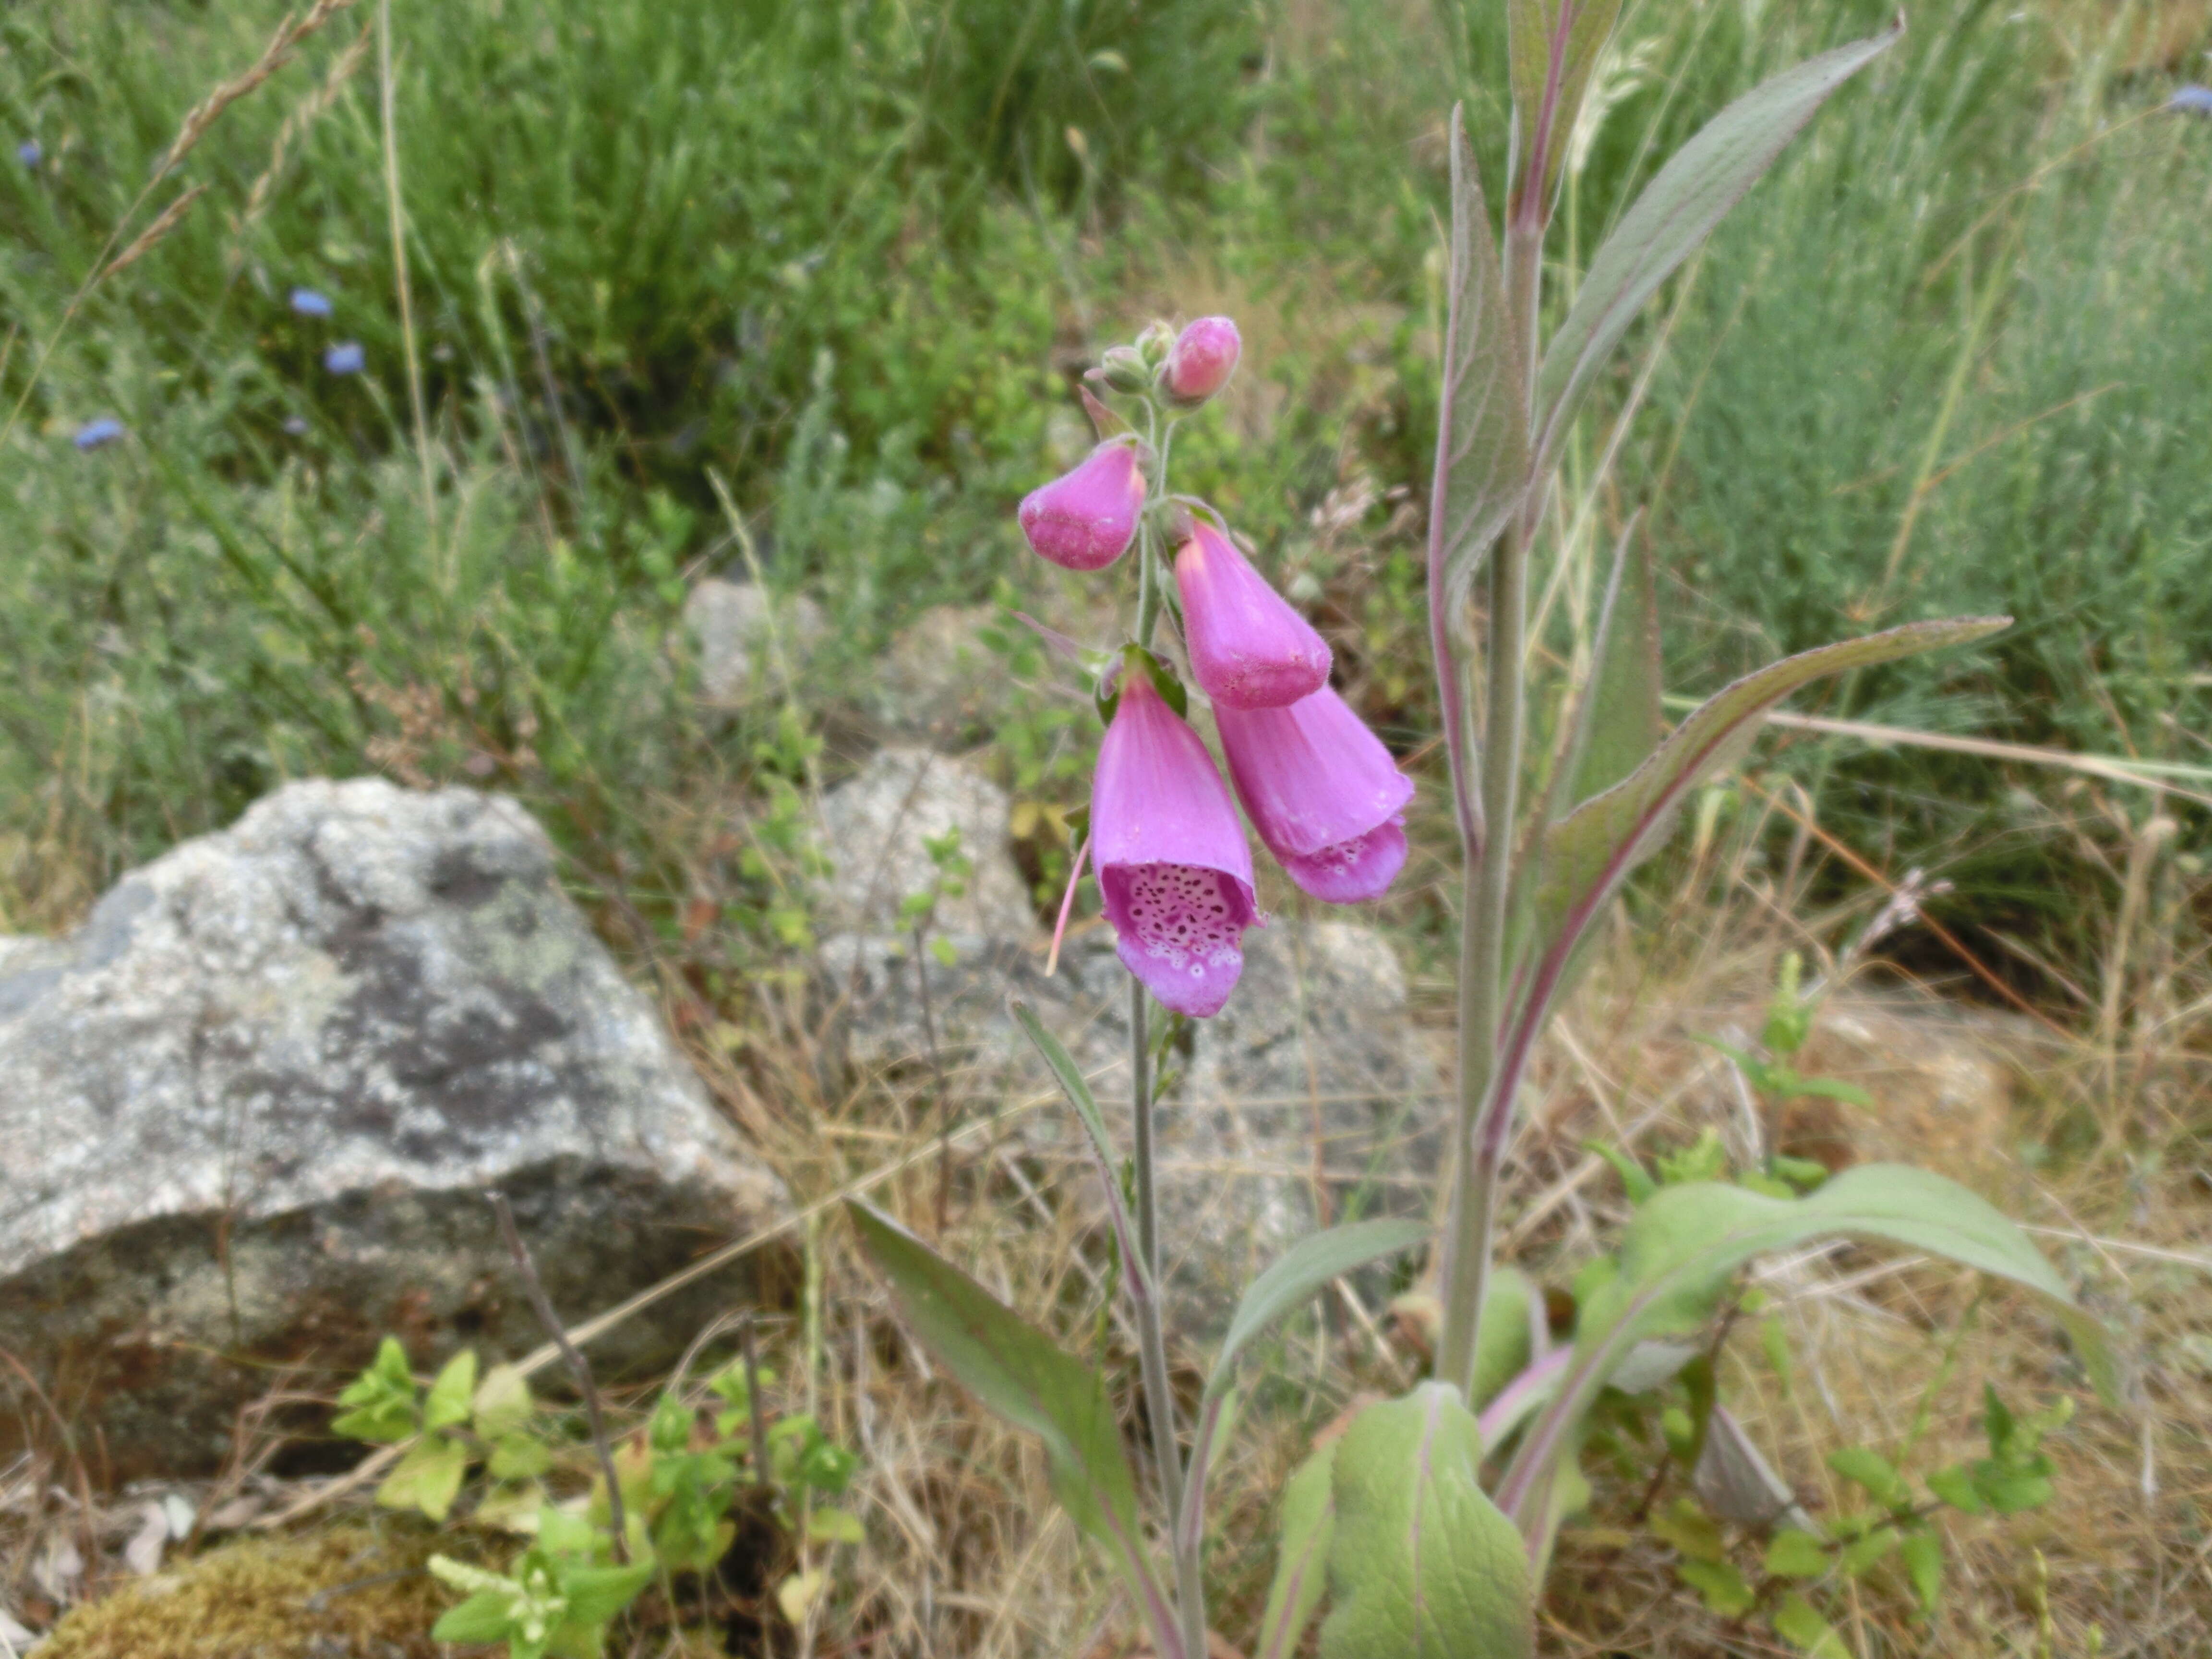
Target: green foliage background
x,y
1954,356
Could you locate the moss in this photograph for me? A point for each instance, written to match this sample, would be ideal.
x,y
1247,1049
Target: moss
x,y
348,1593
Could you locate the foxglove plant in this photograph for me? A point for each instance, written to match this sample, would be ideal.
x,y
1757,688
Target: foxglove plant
x,y
1424,1528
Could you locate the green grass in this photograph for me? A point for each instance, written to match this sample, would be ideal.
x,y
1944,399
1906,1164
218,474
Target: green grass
x,y
845,256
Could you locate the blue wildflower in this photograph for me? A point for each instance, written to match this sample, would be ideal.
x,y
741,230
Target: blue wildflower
x,y
308,303
98,433
346,357
29,154
295,426
2191,100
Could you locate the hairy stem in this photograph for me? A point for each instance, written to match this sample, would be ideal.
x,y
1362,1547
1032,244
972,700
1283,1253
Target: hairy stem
x,y
1487,909
1152,1338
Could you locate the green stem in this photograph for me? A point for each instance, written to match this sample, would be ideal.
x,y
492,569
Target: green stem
x,y
1487,909
1151,1339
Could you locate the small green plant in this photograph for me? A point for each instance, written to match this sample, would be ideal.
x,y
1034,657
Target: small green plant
x,y
1776,1082
681,1474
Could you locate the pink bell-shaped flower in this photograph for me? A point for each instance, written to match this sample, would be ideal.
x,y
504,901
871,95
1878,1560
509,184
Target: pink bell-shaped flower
x,y
1201,360
1172,860
1322,792
1084,519
1247,648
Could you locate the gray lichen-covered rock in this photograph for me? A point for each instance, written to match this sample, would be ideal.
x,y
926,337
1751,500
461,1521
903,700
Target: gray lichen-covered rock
x,y
874,828
739,629
248,1110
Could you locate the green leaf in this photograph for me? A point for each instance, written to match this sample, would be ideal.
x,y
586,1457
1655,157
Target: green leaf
x,y
1547,98
1874,1472
1922,1553
1017,1372
1721,1584
1955,1486
1072,1084
1679,1250
1621,719
1300,1273
1635,1179
1482,407
1676,212
1422,1564
484,1617
1831,1087
502,1403
1863,1553
382,1398
1690,1531
835,1526
450,1397
1798,1623
1795,1554
1307,1525
517,1457
1503,1336
427,1478
1589,854
597,1594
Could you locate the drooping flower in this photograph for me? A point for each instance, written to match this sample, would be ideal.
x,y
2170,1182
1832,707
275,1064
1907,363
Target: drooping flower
x,y
311,303
1249,648
346,357
1201,360
1322,792
98,433
1084,519
1171,857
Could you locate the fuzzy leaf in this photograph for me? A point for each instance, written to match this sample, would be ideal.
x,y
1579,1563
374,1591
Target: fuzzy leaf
x,y
1797,1622
1482,410
1679,1250
1308,1523
450,1396
1073,1083
428,1479
1301,1271
1591,851
1622,718
484,1617
1019,1372
1676,211
1547,98
1422,1564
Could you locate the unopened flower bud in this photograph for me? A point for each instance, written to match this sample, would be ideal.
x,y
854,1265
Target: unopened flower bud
x,y
1203,358
1249,648
1154,343
1084,519
1123,370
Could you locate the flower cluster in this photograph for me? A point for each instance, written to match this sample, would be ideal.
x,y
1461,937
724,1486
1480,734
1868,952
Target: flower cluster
x,y
1324,794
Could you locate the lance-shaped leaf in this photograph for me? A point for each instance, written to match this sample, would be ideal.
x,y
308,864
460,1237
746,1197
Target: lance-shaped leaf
x,y
1290,1279
1679,1250
1621,717
1019,1373
1422,1564
1136,1274
1552,45
1677,210
1591,851
1482,407
1309,1524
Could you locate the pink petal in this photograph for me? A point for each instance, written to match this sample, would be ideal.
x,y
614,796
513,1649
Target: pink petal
x,y
1249,648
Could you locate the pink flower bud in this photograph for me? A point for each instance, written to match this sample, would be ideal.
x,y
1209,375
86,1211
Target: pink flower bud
x,y
1084,519
1322,792
1247,648
1201,360
1172,862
